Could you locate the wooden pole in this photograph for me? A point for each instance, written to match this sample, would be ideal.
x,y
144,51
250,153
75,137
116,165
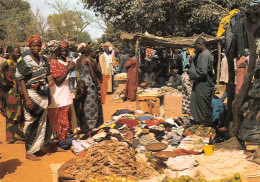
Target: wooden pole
x,y
137,46
139,55
218,69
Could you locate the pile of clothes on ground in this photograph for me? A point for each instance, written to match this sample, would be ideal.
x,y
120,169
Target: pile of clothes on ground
x,y
180,137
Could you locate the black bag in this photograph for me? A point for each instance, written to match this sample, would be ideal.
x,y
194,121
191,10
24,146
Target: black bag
x,y
43,89
250,131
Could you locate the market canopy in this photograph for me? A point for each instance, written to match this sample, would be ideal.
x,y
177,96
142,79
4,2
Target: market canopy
x,y
171,42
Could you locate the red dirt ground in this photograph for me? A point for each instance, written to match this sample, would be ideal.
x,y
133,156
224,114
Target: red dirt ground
x,y
15,168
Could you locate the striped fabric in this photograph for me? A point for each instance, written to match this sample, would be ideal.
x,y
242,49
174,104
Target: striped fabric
x,y
37,128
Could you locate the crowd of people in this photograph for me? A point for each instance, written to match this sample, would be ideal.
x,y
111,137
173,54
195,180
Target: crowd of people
x,y
43,89
47,94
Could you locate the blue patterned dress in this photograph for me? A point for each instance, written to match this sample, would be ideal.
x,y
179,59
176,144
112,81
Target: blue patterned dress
x,y
91,106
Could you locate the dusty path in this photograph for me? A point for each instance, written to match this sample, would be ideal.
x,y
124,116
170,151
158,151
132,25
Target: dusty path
x,y
15,168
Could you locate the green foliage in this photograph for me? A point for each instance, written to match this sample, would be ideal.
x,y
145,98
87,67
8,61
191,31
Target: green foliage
x,y
165,17
111,35
13,20
67,24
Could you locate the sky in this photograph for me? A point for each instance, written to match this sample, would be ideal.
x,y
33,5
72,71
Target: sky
x,y
45,10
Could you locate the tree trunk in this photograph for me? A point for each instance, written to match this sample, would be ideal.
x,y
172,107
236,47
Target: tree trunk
x,y
230,88
251,27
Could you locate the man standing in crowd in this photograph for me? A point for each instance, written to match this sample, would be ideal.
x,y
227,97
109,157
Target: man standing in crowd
x,y
203,86
105,61
132,77
123,59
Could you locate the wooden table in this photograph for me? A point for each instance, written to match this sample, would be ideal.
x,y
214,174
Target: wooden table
x,y
121,83
149,103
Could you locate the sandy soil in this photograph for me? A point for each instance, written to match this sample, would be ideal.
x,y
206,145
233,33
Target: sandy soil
x,y
14,167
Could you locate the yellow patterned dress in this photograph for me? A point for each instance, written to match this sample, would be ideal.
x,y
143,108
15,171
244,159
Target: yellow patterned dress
x,y
10,102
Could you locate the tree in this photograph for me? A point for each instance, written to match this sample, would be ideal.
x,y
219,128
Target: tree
x,y
37,26
164,17
252,24
14,16
112,35
67,24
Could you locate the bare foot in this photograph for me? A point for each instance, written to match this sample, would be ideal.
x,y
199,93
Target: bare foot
x,y
32,157
223,129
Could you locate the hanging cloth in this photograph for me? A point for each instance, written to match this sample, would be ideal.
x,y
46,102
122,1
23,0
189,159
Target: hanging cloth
x,y
224,22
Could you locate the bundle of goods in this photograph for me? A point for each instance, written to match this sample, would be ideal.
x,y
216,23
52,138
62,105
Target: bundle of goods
x,y
121,76
169,90
107,158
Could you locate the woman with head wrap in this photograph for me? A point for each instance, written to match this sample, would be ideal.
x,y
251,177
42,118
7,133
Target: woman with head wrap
x,y
10,101
32,73
60,93
91,115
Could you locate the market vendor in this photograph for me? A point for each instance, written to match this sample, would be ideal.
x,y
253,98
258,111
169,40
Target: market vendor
x,y
132,77
203,85
175,79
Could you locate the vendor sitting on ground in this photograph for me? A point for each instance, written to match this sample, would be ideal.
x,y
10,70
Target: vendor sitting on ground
x,y
175,79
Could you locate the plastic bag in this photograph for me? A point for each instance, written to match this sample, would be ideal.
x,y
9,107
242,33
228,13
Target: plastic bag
x,y
250,131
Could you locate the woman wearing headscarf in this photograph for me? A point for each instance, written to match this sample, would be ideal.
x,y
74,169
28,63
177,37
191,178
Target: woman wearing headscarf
x,y
60,93
10,100
89,71
32,73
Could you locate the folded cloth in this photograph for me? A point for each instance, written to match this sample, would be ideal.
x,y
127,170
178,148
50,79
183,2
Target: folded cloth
x,y
123,111
67,143
129,122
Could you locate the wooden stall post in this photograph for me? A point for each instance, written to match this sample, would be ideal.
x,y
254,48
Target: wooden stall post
x,y
218,71
137,46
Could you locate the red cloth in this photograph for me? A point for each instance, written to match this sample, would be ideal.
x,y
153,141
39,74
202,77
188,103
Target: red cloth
x,y
103,87
150,122
129,122
149,52
32,38
64,43
242,66
57,69
132,78
180,151
59,120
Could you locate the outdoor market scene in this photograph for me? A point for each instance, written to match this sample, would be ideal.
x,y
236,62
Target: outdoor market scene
x,y
127,91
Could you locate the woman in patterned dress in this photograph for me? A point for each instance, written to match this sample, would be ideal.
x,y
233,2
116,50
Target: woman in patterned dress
x,y
60,93
32,73
89,71
10,100
186,93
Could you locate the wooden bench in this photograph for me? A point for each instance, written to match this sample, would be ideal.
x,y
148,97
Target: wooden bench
x,y
149,104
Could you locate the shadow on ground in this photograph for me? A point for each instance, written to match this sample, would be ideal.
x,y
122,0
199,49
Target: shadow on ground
x,y
7,167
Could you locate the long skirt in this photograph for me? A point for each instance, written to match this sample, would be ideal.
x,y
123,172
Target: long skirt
x,y
37,128
59,120
91,107
14,131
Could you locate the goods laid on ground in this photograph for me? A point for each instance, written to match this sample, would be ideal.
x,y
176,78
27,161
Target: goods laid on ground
x,y
134,146
169,90
108,158
121,76
186,178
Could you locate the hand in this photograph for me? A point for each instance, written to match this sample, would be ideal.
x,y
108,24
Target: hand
x,y
29,104
71,66
1,94
35,86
